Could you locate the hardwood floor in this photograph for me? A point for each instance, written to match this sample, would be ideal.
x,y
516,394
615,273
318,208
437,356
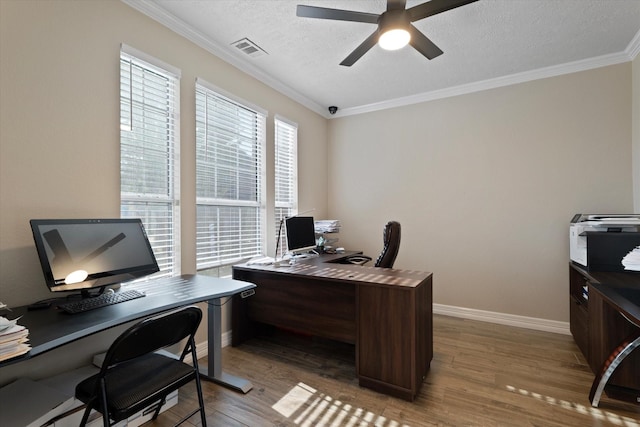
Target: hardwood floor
x,y
482,374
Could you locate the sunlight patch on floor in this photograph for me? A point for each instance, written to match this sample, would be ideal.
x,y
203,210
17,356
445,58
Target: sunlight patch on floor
x,y
596,413
308,407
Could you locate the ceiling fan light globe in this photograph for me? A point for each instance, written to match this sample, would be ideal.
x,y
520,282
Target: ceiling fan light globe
x,y
394,39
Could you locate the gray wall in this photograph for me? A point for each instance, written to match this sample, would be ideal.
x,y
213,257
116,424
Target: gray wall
x,y
485,184
59,134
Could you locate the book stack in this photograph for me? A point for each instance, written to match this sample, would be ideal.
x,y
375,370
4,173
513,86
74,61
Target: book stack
x,y
14,339
585,292
324,227
327,226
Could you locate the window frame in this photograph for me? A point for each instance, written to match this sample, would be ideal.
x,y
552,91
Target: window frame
x,y
285,150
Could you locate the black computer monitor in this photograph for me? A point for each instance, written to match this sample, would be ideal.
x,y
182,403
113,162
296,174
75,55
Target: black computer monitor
x,y
301,234
78,254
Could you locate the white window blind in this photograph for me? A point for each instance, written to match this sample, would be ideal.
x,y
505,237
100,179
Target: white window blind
x,y
149,141
286,175
230,173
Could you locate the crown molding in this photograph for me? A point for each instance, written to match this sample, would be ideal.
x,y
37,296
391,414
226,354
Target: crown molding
x,y
152,10
541,73
155,12
634,47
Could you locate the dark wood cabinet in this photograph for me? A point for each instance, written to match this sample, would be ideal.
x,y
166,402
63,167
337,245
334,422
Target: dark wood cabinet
x,y
598,327
579,311
309,305
394,338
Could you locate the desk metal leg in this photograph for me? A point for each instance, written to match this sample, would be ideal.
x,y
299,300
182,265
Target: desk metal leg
x,y
213,370
610,365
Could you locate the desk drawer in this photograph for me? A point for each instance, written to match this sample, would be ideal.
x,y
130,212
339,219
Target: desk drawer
x,y
312,306
579,324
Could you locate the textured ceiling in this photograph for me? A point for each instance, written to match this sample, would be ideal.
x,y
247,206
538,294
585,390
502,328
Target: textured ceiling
x,y
486,41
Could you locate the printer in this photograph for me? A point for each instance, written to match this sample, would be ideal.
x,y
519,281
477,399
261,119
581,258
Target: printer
x,y
599,242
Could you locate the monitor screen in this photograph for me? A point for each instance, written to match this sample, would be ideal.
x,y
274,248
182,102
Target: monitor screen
x,y
301,235
86,253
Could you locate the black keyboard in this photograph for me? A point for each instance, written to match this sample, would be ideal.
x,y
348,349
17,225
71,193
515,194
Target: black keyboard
x,y
103,300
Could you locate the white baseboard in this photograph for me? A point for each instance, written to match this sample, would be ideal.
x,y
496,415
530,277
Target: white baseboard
x,y
504,319
464,313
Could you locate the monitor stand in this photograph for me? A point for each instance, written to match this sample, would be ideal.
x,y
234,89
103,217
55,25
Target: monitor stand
x,y
86,293
303,255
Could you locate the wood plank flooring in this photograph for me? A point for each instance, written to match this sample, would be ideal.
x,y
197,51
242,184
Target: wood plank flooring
x,y
482,374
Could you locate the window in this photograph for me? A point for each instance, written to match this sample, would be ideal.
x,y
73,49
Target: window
x,y
230,170
286,175
149,141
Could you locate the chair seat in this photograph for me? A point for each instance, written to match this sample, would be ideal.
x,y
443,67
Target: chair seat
x,y
130,388
358,259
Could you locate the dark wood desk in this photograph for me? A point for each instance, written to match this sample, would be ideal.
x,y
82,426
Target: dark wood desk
x,y
385,313
51,328
625,301
606,327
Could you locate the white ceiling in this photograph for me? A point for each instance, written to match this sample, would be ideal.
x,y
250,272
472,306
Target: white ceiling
x,y
486,44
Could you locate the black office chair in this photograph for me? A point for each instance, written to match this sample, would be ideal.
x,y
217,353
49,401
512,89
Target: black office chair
x,y
391,240
134,377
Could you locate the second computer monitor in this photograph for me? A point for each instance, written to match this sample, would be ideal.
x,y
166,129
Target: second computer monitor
x,y
301,235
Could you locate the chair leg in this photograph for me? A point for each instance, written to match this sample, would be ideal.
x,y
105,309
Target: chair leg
x,y
160,405
85,416
103,403
203,416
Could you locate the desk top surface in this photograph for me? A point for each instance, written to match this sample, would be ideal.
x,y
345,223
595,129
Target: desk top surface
x,y
616,278
621,289
50,328
328,267
624,299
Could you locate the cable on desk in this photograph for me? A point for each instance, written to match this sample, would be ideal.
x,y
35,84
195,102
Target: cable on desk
x,y
227,299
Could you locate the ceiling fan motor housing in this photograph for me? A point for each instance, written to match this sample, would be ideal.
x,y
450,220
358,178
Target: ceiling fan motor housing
x,y
395,29
394,20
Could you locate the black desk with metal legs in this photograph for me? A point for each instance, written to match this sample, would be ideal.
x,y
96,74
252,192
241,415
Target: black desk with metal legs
x,y
52,328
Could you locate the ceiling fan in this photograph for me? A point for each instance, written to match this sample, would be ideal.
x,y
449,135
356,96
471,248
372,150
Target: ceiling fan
x,y
394,26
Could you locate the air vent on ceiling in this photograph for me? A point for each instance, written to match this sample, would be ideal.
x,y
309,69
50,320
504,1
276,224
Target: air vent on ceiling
x,y
248,47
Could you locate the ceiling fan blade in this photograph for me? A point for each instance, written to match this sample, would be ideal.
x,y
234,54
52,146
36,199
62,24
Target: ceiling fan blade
x,y
396,4
422,44
361,50
434,7
336,14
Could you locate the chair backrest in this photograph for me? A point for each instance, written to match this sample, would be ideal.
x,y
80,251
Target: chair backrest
x,y
153,334
391,239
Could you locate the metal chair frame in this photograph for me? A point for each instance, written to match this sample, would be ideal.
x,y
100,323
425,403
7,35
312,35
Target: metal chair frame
x,y
134,376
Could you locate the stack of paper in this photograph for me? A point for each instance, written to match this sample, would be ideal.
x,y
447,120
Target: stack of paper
x,y
631,261
327,226
13,339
